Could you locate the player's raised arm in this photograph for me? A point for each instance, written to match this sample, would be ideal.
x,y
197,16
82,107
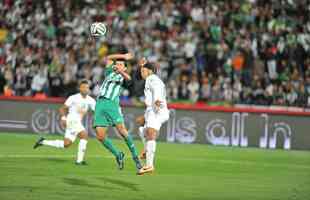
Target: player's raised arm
x,y
114,57
119,66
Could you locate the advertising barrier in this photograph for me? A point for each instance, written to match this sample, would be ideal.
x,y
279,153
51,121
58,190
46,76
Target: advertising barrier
x,y
243,129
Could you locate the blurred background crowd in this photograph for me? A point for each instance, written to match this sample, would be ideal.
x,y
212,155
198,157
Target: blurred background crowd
x,y
220,51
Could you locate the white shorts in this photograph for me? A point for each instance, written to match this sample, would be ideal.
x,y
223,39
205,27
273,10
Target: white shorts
x,y
155,120
73,128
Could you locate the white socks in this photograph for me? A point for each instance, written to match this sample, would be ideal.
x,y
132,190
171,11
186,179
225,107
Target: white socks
x,y
141,134
81,150
150,152
60,144
54,143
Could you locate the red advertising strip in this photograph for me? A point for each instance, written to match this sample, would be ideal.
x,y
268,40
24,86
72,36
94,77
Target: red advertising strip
x,y
277,110
31,99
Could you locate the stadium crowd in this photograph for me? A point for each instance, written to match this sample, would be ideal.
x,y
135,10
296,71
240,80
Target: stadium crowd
x,y
249,52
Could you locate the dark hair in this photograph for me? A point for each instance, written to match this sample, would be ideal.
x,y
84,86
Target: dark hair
x,y
120,59
152,66
84,81
122,49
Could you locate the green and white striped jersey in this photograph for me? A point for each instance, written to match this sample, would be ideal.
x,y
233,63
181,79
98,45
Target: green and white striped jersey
x,y
112,85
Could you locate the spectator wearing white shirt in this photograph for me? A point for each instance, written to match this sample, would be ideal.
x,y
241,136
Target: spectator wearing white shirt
x,y
193,87
39,81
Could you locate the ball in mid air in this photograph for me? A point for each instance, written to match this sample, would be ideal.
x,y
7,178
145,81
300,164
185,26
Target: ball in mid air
x,y
98,29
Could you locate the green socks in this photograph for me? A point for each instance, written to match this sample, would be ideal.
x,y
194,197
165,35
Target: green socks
x,y
107,143
131,146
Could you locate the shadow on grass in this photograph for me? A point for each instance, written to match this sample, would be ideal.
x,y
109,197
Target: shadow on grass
x,y
84,183
124,184
17,188
55,160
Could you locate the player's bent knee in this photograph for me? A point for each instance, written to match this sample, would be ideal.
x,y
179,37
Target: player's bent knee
x,y
150,137
122,130
83,135
100,134
100,137
151,134
140,120
123,133
67,143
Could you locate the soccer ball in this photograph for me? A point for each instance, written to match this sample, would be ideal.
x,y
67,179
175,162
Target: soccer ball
x,y
98,29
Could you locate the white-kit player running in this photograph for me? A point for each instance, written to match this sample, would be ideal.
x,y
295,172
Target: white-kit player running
x,y
156,112
72,113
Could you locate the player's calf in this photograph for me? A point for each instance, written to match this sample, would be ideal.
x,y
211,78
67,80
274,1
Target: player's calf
x,y
150,147
129,142
107,143
52,143
82,148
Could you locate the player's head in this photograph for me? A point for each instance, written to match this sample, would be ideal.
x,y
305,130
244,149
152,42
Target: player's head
x,y
148,69
120,63
84,87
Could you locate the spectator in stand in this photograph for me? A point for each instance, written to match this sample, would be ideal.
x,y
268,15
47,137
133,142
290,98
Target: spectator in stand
x,y
302,96
206,88
39,82
8,91
40,95
2,82
183,91
20,82
193,88
279,96
233,40
172,90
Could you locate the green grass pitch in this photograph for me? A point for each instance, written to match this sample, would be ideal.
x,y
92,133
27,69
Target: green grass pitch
x,y
186,172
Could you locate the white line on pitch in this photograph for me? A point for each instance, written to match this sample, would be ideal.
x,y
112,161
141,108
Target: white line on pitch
x,y
164,157
49,156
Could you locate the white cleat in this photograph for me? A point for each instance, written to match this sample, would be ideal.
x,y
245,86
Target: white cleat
x,y
145,170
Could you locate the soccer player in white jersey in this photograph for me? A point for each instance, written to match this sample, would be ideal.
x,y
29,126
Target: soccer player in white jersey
x,y
72,113
156,112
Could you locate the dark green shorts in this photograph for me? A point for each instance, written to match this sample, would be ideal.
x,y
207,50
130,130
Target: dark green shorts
x,y
107,113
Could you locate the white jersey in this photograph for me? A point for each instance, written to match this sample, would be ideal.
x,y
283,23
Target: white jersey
x,y
154,90
79,106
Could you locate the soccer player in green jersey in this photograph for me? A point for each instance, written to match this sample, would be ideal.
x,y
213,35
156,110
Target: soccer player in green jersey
x,y
108,111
